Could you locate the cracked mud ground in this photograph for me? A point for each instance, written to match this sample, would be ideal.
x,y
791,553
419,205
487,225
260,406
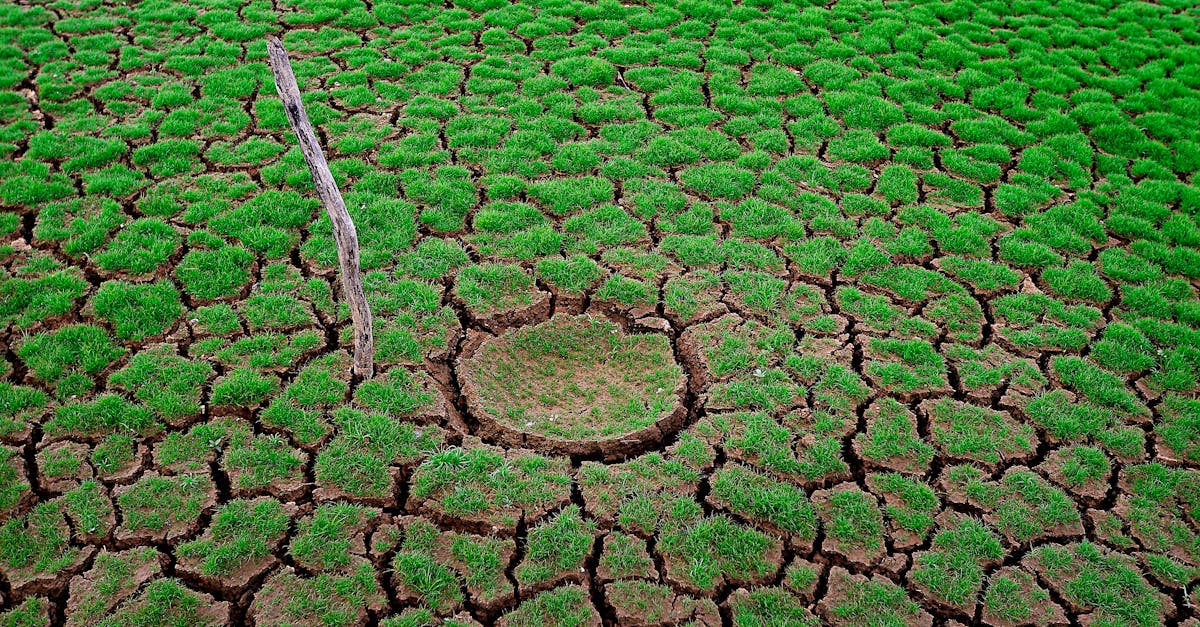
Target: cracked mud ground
x,y
928,271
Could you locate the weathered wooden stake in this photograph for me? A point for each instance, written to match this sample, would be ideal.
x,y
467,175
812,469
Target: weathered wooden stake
x,y
344,233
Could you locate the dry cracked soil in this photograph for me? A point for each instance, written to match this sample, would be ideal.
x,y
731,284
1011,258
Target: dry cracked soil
x,y
687,312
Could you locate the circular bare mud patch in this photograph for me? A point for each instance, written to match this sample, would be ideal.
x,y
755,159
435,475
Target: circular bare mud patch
x,y
574,385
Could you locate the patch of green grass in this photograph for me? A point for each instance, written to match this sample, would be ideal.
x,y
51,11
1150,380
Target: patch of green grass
x,y
161,504
482,563
418,570
137,311
254,462
219,319
1014,595
37,542
70,357
853,522
115,452
952,571
54,462
712,549
891,438
482,483
140,248
1097,384
243,387
490,288
626,291
386,225
432,258
105,414
319,386
165,382
32,612
212,274
977,433
982,274
566,605
116,576
359,460
262,350
770,606
760,497
576,378
1179,425
332,599
161,600
625,556
763,441
906,366
910,504
718,181
654,602
1098,579
632,493
602,227
566,196
397,392
242,532
875,601
556,546
38,292
80,226
1075,421
18,403
1078,281
13,486
573,275
1023,506
323,540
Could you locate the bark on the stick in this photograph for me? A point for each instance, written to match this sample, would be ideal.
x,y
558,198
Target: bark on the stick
x,y
344,233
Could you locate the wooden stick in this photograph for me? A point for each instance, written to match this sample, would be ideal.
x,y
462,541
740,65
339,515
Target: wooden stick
x,y
344,233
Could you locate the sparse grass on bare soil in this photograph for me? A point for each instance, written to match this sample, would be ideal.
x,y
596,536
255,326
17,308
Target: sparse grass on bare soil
x,y
686,312
574,378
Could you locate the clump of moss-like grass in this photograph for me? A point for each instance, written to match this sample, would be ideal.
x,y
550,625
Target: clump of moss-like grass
x,y
70,357
951,572
556,549
165,382
430,566
765,501
638,600
159,508
39,290
856,600
113,578
703,552
239,542
1095,579
363,461
567,605
485,485
331,599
